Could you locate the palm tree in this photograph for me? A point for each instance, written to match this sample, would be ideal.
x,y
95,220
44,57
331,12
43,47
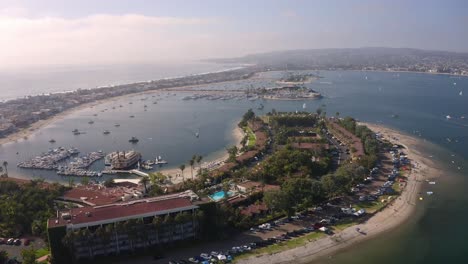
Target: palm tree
x,y
5,164
100,234
119,227
145,180
179,222
131,232
69,239
168,226
199,159
192,162
182,168
109,233
157,222
85,238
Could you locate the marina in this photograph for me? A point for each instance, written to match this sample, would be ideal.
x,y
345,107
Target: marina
x,y
49,160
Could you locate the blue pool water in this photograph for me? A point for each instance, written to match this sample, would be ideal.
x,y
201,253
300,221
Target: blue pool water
x,y
219,195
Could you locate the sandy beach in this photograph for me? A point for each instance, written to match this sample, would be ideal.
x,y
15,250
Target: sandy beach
x,y
391,217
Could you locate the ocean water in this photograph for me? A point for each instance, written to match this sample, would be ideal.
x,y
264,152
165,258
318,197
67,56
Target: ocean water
x,y
52,79
414,103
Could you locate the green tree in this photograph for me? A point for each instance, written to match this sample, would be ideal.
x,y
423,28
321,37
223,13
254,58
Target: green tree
x,y
3,257
169,225
29,256
249,115
278,201
109,182
5,164
232,151
145,180
191,163
71,182
179,220
157,178
85,180
182,168
157,223
199,160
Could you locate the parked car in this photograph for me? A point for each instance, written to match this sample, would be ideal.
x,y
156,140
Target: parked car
x,y
10,241
26,242
17,242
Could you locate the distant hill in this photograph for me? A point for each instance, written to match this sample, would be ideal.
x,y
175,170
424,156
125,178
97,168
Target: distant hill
x,y
359,58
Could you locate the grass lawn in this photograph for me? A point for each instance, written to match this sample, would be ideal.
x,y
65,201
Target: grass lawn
x,y
396,187
251,136
42,252
275,248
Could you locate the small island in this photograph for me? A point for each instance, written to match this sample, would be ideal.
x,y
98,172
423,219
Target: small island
x,y
289,93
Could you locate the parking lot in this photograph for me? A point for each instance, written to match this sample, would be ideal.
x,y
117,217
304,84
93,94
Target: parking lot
x,y
15,250
313,221
342,151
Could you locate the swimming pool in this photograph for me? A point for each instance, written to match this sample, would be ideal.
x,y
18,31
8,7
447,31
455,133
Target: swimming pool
x,y
220,195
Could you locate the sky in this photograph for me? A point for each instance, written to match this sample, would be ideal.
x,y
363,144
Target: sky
x,y
85,32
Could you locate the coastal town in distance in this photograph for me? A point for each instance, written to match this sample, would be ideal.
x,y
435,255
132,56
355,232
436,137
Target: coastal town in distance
x,y
244,132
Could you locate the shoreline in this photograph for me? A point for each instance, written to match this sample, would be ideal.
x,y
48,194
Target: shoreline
x,y
392,216
219,157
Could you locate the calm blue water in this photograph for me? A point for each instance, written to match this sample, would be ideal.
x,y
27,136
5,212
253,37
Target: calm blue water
x,y
435,235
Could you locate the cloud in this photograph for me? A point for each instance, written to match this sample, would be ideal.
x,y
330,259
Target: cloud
x,y
99,38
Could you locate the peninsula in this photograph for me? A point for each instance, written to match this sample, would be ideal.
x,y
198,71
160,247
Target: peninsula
x,y
299,186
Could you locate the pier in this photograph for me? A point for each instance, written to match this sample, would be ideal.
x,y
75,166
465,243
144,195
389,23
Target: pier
x,y
136,172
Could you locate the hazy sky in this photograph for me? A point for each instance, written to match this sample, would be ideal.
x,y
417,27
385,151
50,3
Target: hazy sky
x,y
42,32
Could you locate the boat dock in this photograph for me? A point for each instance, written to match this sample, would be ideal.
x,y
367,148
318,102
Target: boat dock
x,y
48,160
136,172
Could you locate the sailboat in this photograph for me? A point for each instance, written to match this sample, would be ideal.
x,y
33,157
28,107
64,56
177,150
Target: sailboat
x,y
461,93
304,106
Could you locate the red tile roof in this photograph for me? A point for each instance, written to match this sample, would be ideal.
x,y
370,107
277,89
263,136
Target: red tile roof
x,y
311,146
94,194
118,211
254,209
